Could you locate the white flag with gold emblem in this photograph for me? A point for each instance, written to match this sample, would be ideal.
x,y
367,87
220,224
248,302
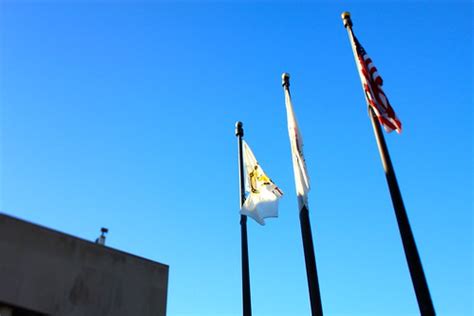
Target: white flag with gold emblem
x,y
262,200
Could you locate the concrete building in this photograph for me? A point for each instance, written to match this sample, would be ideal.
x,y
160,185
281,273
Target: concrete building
x,y
45,272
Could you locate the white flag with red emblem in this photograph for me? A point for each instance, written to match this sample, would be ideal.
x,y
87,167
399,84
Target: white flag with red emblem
x,y
296,141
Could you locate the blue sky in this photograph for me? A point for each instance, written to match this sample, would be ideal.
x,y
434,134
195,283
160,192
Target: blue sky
x,y
121,114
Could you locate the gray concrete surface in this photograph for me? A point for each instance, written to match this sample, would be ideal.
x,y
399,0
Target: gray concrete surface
x,y
57,274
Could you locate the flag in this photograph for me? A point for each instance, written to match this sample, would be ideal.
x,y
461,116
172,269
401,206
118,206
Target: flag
x,y
262,201
296,141
372,84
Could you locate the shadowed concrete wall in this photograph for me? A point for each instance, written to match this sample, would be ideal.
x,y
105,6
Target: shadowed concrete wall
x,y
56,274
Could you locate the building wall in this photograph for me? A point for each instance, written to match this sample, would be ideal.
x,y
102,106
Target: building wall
x,y
56,274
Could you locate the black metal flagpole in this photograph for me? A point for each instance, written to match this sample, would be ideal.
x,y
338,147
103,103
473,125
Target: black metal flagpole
x,y
246,300
308,247
311,271
411,253
420,285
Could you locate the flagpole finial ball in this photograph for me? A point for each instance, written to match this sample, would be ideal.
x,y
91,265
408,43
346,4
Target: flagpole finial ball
x,y
285,79
239,131
346,18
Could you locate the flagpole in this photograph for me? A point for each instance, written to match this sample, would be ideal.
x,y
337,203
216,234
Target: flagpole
x,y
411,253
246,300
308,247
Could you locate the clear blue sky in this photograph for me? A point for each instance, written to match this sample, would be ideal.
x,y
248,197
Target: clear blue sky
x,y
122,114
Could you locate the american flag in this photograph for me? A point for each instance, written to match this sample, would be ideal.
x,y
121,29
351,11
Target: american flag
x,y
376,98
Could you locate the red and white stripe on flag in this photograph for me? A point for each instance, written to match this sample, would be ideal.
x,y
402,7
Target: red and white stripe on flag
x,y
376,98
